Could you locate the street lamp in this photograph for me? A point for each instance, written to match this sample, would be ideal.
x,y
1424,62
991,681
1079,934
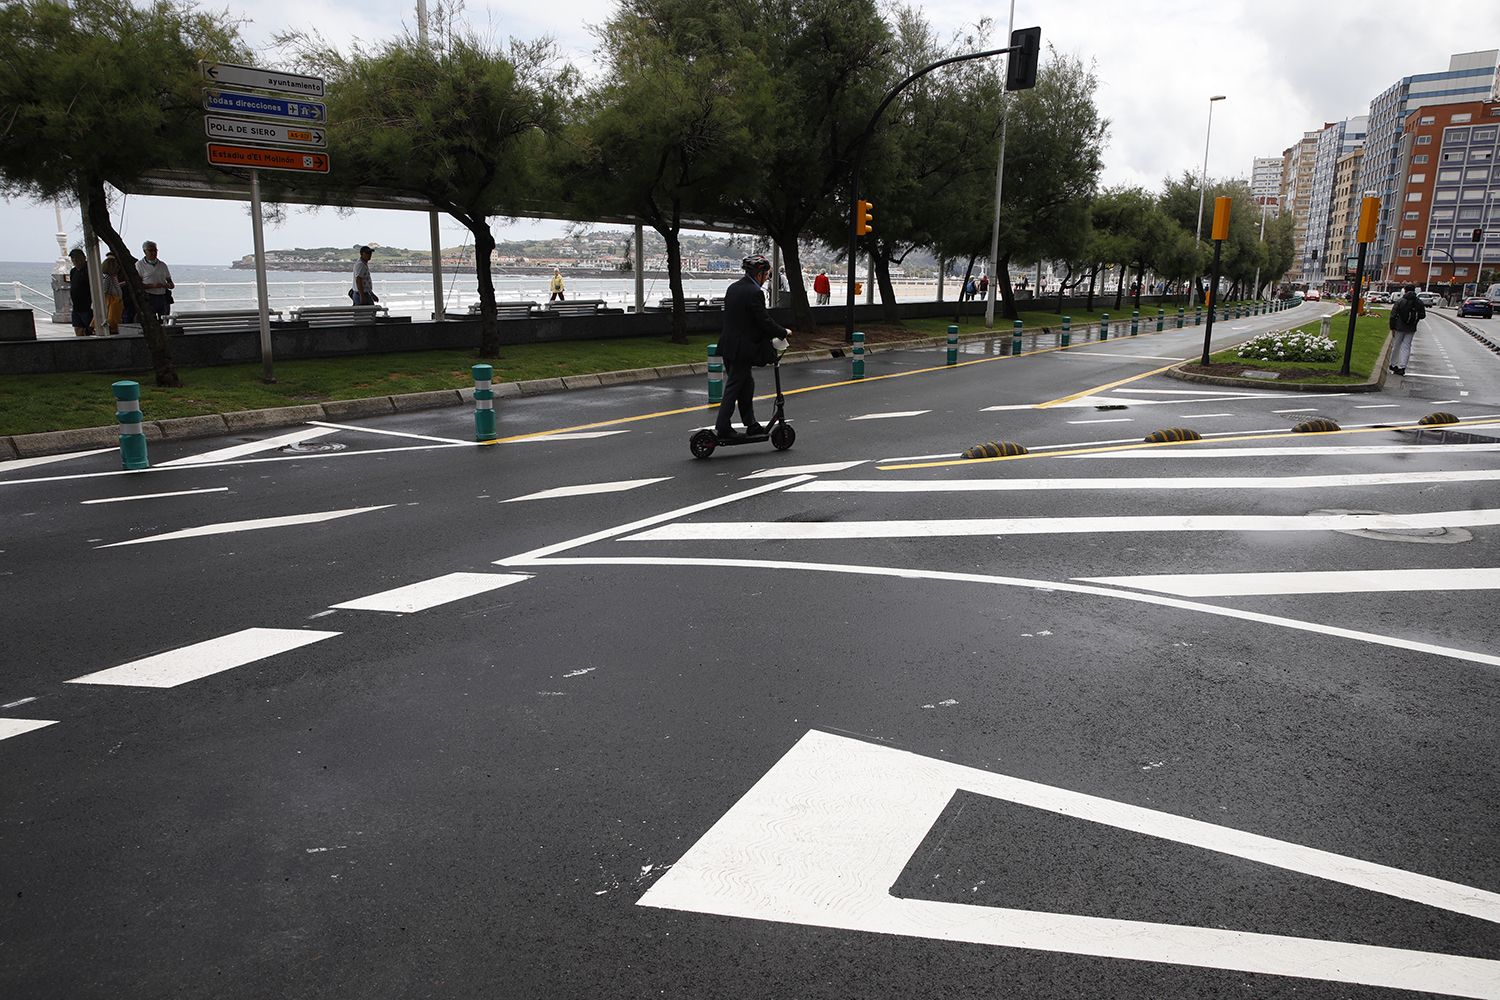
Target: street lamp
x,y
1203,183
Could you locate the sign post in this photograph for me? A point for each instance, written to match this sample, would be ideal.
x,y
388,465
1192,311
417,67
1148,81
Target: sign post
x,y
1369,217
1220,234
254,133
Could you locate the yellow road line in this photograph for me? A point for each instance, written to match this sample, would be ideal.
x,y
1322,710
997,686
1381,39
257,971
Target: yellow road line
x,y
1101,449
1107,386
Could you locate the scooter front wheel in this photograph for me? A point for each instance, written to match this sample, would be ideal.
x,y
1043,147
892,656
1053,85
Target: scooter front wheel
x,y
782,437
703,443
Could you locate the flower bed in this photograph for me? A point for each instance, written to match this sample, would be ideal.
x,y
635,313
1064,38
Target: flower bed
x,y
1289,345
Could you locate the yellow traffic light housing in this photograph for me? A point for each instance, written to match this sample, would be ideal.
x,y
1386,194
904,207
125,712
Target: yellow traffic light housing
x,y
864,219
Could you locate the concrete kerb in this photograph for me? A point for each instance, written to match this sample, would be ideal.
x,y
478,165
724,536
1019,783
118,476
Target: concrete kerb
x,y
1375,384
370,406
7,450
206,425
435,400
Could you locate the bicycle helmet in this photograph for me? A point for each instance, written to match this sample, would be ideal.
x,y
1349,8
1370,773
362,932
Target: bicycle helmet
x,y
755,263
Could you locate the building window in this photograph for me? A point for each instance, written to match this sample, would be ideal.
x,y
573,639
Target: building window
x,y
1448,176
1484,135
1460,272
1474,194
1419,158
1455,136
1464,250
1408,234
1424,140
1481,155
1480,174
1468,215
1405,252
1426,120
1438,235
1417,196
1460,119
1411,216
1403,270
1417,179
1441,214
1449,195
1456,156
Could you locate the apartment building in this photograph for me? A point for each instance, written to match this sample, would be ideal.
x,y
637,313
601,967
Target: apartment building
x,y
1343,216
1471,76
1335,139
1450,193
1265,180
1297,166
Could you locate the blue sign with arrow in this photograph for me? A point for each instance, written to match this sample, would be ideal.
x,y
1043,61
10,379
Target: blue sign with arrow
x,y
234,102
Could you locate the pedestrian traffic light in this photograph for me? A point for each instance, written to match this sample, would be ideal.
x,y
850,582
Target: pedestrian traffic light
x,y
864,220
1478,235
1020,66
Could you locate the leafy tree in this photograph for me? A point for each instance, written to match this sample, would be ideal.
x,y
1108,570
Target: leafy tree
x,y
454,122
663,135
102,92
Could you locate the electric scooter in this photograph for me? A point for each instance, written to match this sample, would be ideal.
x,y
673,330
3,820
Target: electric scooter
x,y
777,430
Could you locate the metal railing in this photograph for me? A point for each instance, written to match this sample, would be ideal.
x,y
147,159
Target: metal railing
x,y
44,299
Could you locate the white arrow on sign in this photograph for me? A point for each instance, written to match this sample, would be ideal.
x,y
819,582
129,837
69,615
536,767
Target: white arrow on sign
x,y
824,835
235,75
250,130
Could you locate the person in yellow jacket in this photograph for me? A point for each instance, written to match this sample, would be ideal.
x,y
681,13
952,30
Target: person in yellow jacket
x,y
557,286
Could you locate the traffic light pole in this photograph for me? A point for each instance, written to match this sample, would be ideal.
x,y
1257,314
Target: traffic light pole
x,y
1359,280
859,159
1213,299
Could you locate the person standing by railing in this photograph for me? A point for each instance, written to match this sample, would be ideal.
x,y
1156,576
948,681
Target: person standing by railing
x,y
556,286
114,295
363,292
157,278
81,294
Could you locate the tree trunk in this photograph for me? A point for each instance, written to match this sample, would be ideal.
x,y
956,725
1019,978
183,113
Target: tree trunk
x,y
1093,278
484,246
958,317
156,338
891,310
1007,294
1120,287
791,259
671,234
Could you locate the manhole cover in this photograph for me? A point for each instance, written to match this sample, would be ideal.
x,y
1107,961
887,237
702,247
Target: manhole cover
x,y
1428,536
312,447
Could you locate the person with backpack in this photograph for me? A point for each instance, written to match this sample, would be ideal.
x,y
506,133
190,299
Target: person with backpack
x,y
1405,315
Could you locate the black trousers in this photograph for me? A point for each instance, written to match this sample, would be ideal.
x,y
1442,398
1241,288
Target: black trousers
x,y
739,389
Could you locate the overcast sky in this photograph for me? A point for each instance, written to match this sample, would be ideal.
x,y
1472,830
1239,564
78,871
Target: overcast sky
x,y
1285,66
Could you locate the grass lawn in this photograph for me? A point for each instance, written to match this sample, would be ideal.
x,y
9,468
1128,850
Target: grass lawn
x,y
30,403
1369,338
1035,319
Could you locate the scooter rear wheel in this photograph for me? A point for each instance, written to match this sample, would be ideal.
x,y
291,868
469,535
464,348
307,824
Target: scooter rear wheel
x,y
703,443
782,437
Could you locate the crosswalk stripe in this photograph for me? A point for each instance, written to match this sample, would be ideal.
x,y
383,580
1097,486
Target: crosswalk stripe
x,y
431,593
15,727
889,416
157,496
1358,581
588,489
956,528
1144,483
797,470
256,524
251,447
204,659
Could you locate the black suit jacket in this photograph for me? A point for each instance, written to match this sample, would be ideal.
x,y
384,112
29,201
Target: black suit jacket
x,y
748,326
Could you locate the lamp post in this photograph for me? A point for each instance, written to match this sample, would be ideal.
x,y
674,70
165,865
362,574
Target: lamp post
x,y
1203,181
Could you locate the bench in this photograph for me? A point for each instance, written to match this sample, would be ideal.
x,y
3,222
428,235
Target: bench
x,y
339,315
508,310
690,303
218,321
578,307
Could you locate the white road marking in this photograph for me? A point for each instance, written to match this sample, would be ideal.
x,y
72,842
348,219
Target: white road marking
x,y
1378,406
204,659
1416,375
1325,582
1070,353
157,496
11,465
256,524
571,436
1302,409
1145,483
727,531
1200,392
1382,449
889,416
1088,402
431,593
587,489
824,835
1190,416
1221,611
18,703
250,447
797,470
400,434
1106,420
15,727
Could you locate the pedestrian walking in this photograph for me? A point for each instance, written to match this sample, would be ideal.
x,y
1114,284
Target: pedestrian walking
x,y
984,285
114,295
970,289
822,288
557,287
363,291
1405,315
157,278
81,294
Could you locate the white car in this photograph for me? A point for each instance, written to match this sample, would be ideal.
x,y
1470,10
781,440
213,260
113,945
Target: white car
x,y
1429,299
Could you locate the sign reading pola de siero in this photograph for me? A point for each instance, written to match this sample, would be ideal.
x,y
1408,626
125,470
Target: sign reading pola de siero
x,y
260,131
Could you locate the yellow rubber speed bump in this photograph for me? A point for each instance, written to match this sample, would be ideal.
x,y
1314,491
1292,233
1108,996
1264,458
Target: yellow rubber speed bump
x,y
1173,434
1440,417
995,449
1317,425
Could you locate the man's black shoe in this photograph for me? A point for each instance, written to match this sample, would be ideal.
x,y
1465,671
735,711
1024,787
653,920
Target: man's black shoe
x,y
754,429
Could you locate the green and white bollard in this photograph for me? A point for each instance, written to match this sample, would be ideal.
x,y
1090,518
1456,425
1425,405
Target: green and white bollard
x,y
1015,338
1067,331
1135,322
1104,326
1181,318
1161,320
1197,315
484,403
952,345
715,375
132,425
859,354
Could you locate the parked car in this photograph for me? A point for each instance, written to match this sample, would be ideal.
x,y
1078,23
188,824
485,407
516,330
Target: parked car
x,y
1313,295
1429,299
1476,306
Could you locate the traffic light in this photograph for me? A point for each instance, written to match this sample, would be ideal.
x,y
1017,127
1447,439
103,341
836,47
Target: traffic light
x,y
864,220
1020,66
1478,235
1420,250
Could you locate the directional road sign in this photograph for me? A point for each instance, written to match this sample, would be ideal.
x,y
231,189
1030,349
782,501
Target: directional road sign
x,y
250,157
249,130
236,103
234,75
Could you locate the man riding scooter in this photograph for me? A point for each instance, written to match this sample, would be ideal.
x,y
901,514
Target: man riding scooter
x,y
751,338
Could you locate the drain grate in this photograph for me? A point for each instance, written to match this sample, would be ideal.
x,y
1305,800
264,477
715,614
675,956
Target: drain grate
x,y
1427,536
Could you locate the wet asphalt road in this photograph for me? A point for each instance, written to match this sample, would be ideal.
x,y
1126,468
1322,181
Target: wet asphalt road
x,y
670,705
